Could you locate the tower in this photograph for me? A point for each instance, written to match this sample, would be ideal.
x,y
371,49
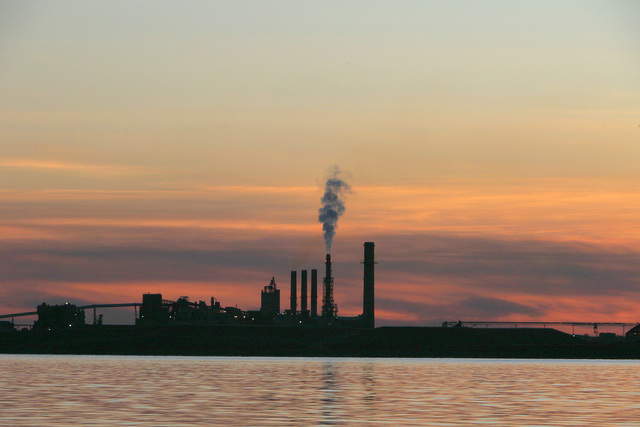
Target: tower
x,y
368,299
303,293
329,309
270,300
314,293
294,296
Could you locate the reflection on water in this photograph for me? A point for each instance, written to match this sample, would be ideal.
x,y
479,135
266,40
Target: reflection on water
x,y
171,391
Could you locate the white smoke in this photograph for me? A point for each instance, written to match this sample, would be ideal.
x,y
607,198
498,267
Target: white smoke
x,y
332,206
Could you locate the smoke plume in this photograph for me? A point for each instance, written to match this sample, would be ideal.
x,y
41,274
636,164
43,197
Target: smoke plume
x,y
332,206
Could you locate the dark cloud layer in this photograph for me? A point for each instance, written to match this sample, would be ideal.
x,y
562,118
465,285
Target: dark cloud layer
x,y
486,269
470,308
540,267
496,307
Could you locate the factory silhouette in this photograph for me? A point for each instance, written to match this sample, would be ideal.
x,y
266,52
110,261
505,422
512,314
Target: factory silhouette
x,y
312,328
154,311
184,327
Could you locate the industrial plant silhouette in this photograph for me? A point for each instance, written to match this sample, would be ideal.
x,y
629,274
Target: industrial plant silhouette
x,y
183,327
156,311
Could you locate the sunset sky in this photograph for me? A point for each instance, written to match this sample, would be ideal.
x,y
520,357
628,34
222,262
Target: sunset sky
x,y
493,149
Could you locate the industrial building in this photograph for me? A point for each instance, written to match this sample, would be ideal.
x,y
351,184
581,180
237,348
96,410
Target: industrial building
x,y
54,317
156,311
183,327
270,301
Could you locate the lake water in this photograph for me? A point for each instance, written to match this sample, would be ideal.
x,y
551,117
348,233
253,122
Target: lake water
x,y
205,391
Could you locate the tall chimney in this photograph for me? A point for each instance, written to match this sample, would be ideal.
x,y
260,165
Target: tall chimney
x,y
294,296
303,292
314,293
327,267
368,300
328,306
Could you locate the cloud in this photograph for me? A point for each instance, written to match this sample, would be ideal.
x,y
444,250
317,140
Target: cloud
x,y
495,307
469,309
420,279
82,168
520,266
128,242
115,264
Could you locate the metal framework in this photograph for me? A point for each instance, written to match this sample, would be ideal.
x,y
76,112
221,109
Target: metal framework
x,y
329,307
595,325
84,307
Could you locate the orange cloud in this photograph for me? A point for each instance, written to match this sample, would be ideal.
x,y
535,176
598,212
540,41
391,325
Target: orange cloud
x,y
551,210
69,167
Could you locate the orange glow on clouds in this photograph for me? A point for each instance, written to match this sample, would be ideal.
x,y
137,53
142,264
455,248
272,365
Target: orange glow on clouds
x,y
56,228
69,167
551,210
556,210
253,226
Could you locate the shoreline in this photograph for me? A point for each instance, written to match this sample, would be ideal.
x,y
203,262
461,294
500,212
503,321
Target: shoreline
x,y
279,341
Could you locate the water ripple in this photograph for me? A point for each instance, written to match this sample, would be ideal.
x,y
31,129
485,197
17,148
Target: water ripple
x,y
204,391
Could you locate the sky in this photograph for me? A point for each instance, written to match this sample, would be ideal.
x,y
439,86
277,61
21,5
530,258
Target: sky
x,y
182,148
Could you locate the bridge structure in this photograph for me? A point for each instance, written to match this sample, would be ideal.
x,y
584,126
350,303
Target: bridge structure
x,y
594,325
135,306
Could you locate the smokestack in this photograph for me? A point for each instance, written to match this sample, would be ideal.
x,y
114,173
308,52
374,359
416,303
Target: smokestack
x,y
294,296
327,266
303,292
329,308
368,300
314,293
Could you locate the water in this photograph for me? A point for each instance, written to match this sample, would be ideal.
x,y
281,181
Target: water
x,y
205,391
